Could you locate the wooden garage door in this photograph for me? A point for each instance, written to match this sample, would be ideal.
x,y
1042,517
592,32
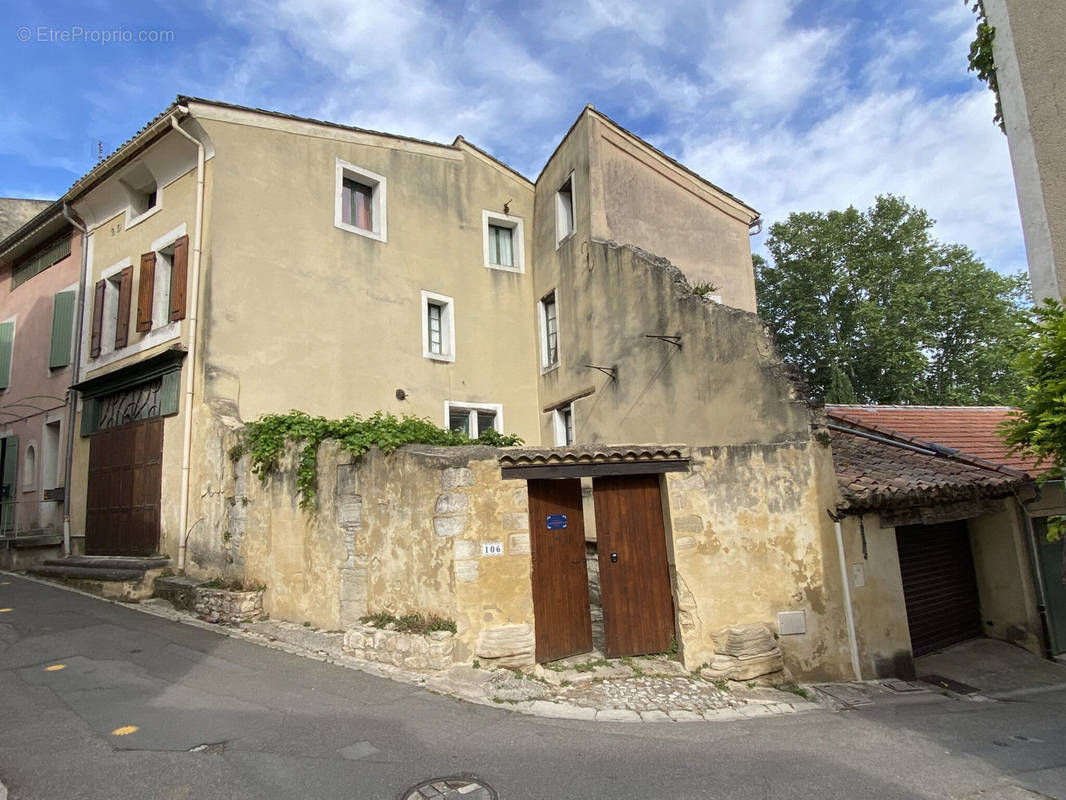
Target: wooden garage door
x,y
939,585
122,503
638,605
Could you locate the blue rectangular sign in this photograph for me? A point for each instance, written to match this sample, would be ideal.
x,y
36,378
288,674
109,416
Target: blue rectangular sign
x,y
556,522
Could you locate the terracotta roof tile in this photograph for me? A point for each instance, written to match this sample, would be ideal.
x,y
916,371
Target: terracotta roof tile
x,y
971,429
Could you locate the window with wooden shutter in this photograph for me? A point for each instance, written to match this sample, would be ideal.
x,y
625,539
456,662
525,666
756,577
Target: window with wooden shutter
x,y
178,279
62,329
146,292
125,296
97,330
7,342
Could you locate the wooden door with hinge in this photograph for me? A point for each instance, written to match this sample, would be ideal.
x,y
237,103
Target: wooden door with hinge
x,y
125,483
560,574
638,605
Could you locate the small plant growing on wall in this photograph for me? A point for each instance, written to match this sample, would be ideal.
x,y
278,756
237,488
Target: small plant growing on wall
x,y
266,438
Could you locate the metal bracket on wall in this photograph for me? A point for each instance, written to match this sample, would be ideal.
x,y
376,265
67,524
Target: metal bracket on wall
x,y
675,340
610,372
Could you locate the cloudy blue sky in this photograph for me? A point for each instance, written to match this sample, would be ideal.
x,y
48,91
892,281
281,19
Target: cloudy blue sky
x,y
790,104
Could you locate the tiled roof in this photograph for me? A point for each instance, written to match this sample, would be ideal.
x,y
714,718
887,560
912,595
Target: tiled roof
x,y
881,473
972,429
590,454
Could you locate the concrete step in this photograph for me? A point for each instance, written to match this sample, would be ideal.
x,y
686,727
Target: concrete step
x,y
98,573
111,562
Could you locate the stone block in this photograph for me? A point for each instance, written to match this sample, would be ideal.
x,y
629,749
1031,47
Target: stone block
x,y
518,544
452,503
353,585
689,524
744,640
684,543
744,669
617,715
520,499
506,645
463,548
350,512
515,522
449,526
466,571
455,478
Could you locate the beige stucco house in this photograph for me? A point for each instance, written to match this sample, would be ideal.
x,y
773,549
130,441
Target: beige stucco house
x,y
675,479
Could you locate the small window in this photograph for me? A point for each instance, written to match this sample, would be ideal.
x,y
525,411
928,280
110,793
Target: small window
x,y
360,201
142,193
438,329
29,468
473,419
549,332
51,450
503,239
564,210
564,425
111,312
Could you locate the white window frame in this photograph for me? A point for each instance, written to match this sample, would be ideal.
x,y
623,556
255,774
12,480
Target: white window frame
x,y
447,323
517,239
559,424
109,320
451,406
542,314
565,229
51,452
161,290
378,201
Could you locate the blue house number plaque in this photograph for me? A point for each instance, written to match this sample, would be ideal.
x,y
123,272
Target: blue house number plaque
x,y
556,522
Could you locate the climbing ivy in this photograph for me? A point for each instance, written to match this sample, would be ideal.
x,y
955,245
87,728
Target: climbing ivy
x,y
982,60
266,438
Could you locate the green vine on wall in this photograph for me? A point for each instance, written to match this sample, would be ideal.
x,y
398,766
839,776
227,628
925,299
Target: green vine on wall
x,y
982,60
266,438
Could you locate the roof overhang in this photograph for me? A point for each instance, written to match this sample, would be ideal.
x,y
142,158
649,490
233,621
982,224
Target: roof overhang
x,y
584,461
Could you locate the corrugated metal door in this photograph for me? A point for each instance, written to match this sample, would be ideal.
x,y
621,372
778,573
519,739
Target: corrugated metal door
x,y
939,585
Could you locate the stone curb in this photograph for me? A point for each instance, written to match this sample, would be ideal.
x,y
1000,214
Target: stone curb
x,y
442,685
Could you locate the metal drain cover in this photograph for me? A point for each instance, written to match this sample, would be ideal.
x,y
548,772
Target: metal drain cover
x,y
459,787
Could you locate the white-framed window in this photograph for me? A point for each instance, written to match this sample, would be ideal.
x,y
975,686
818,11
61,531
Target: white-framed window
x,y
51,451
503,239
549,332
143,193
360,201
563,419
473,419
565,224
29,468
438,326
110,320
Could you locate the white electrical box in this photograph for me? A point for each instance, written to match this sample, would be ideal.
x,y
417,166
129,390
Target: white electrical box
x,y
791,623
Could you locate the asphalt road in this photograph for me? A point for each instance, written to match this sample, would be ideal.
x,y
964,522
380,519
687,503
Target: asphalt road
x,y
98,701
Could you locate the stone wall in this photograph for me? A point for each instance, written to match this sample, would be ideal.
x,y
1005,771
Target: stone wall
x,y
432,651
750,538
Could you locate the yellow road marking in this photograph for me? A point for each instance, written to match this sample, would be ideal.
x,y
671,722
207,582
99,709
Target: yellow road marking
x,y
2,610
125,730
55,668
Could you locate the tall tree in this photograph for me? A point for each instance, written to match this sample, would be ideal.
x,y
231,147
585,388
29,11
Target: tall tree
x,y
874,309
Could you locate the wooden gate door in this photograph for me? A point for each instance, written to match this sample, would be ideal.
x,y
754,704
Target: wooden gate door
x,y
560,576
122,503
638,606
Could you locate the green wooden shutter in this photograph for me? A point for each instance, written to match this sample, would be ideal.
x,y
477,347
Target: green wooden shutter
x,y
62,329
90,416
9,476
7,341
169,393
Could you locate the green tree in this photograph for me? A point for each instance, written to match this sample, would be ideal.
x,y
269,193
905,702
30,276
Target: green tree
x,y
1039,428
873,309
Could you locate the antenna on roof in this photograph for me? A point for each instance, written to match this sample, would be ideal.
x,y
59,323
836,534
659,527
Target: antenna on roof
x,y
99,150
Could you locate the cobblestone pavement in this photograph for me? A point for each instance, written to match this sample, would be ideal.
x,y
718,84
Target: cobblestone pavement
x,y
648,694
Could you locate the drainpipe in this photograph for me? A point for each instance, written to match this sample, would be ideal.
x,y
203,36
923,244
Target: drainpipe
x,y
1034,568
190,374
849,615
73,394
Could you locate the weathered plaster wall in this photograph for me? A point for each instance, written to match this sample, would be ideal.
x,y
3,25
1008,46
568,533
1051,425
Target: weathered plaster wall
x,y
750,538
399,533
723,385
1004,578
639,197
16,212
291,296
880,612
